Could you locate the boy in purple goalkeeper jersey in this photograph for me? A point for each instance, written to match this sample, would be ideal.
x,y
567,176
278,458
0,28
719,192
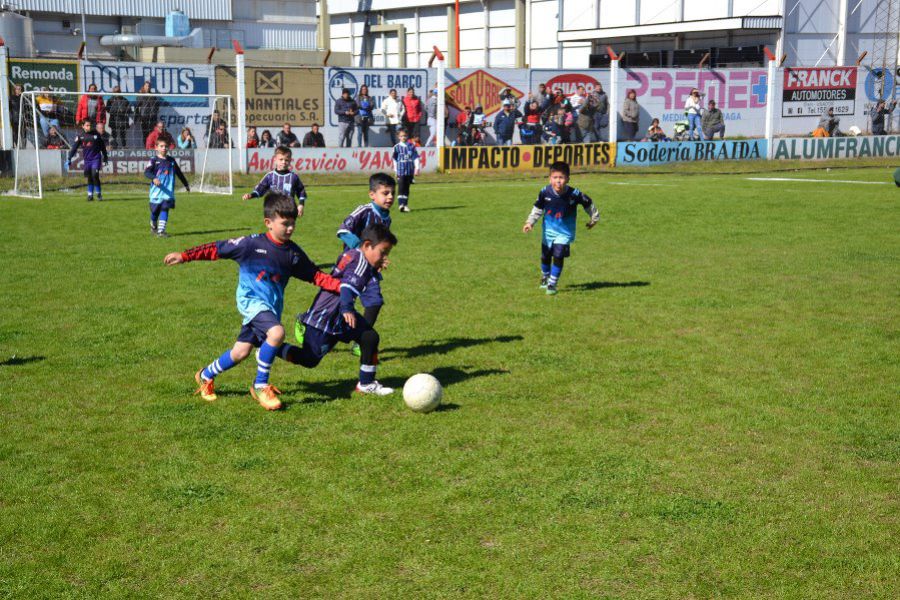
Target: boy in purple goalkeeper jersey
x,y
281,179
558,204
266,262
94,154
332,317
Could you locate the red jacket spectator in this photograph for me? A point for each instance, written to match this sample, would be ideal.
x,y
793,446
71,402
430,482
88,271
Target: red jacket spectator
x,y
413,106
158,134
81,112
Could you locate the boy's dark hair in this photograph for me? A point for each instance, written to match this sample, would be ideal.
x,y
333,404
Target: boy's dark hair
x,y
377,233
83,121
277,204
560,167
381,179
283,150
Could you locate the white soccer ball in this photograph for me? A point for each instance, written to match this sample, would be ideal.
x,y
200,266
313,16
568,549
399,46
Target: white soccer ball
x,y
854,131
422,392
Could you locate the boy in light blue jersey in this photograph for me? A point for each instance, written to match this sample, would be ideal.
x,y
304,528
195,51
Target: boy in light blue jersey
x,y
558,204
161,171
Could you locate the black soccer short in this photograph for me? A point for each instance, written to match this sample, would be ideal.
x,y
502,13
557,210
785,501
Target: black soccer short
x,y
554,251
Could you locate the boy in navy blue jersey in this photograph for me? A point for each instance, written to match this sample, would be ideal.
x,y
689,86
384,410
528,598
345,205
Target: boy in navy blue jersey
x,y
406,166
94,156
281,179
558,204
378,211
161,170
266,263
332,317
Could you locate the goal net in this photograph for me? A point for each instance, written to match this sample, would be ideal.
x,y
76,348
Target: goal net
x,y
196,128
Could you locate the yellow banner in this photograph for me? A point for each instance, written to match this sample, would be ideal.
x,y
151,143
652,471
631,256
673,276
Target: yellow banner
x,y
526,158
279,95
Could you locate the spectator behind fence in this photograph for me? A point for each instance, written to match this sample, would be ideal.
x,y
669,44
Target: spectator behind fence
x,y
219,138
365,117
252,138
90,106
47,113
413,109
186,139
55,140
587,126
553,129
120,113
214,122
655,133
577,100
159,133
601,117
505,123
102,133
266,140
392,109
693,108
543,97
286,137
530,130
346,110
15,110
631,115
431,116
314,139
146,112
507,94
879,112
713,122
828,125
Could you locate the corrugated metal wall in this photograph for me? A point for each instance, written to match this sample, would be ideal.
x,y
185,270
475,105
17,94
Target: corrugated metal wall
x,y
219,10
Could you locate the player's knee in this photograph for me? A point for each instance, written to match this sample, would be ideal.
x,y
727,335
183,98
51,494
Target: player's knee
x,y
369,339
275,335
240,352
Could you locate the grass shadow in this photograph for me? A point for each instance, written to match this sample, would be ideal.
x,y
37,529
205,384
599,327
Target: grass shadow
x,y
14,361
602,285
444,346
208,231
457,207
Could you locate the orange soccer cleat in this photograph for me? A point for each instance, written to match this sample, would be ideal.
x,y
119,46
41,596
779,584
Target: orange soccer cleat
x,y
266,397
207,389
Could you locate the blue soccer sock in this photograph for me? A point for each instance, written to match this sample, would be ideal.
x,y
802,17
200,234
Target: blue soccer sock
x,y
161,223
223,363
90,191
264,361
98,190
366,374
545,269
555,272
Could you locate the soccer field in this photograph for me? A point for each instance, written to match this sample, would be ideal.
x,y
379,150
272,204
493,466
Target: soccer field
x,y
708,408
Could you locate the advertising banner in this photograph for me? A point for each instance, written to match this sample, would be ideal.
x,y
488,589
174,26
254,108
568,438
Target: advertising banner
x,y
526,158
568,81
36,74
839,147
277,96
473,87
337,160
122,162
810,92
642,154
661,93
169,81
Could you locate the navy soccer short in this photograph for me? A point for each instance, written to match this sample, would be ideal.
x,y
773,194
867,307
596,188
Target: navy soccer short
x,y
554,251
157,208
317,343
93,164
255,331
371,296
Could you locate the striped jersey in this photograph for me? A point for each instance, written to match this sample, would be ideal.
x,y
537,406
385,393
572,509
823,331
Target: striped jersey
x,y
286,182
325,313
361,217
405,158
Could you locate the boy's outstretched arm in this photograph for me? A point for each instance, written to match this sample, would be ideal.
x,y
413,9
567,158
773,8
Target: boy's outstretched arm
x,y
202,252
533,218
591,209
260,190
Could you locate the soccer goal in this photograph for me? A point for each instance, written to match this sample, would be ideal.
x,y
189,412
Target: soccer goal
x,y
196,127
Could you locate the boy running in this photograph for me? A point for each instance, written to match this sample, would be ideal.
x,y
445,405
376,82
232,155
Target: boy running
x,y
332,317
281,179
94,156
406,166
161,171
266,263
558,204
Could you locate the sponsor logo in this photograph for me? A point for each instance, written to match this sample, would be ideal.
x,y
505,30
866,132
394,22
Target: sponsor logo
x,y
812,91
822,78
569,83
269,83
479,88
339,80
261,251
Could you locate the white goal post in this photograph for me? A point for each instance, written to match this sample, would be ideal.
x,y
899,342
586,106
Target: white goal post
x,y
46,130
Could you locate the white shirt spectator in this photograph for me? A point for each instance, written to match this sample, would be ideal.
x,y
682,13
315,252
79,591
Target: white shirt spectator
x,y
392,110
576,100
693,106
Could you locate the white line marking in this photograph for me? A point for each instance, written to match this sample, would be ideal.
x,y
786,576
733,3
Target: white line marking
x,y
817,180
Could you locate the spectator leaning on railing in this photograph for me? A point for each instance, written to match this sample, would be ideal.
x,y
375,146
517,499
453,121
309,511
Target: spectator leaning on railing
x,y
219,138
266,140
879,112
713,122
159,133
314,139
286,137
252,138
186,139
505,123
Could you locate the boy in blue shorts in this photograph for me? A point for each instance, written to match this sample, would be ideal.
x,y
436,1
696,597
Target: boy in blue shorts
x,y
93,151
558,204
161,170
266,263
281,179
332,317
378,211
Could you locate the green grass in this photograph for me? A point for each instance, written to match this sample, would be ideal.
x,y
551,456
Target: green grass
x,y
709,408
